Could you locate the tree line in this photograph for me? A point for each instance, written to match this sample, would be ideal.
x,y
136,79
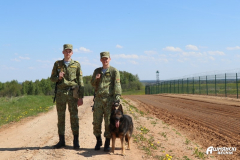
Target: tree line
x,y
46,86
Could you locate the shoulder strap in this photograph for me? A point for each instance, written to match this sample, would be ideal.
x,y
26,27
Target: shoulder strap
x,y
60,65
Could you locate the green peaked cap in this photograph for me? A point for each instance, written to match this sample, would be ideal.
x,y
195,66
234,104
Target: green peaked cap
x,y
67,46
104,54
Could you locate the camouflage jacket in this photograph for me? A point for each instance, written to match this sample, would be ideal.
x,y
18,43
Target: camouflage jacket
x,y
108,84
72,76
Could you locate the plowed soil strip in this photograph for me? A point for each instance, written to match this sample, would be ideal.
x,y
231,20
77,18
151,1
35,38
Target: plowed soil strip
x,y
211,123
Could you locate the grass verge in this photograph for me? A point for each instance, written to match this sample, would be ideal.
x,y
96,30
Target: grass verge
x,y
16,108
135,92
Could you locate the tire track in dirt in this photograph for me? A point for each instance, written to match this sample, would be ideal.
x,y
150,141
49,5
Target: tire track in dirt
x,y
210,123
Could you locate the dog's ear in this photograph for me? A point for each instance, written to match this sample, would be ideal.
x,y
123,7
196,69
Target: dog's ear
x,y
120,108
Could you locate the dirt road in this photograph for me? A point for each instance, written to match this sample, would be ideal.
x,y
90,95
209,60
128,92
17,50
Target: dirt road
x,y
204,121
34,137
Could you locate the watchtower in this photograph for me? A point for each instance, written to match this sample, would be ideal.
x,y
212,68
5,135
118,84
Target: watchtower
x,y
157,77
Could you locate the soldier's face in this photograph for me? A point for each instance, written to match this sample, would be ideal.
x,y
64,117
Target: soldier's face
x,y
67,53
105,61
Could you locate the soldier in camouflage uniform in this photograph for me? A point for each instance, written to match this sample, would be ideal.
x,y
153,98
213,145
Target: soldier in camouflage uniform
x,y
106,82
67,74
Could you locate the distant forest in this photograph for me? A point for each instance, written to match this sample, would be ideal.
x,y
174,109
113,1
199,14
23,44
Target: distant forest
x,y
46,86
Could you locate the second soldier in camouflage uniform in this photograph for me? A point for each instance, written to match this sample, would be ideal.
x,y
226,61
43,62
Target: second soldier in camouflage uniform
x,y
106,82
67,74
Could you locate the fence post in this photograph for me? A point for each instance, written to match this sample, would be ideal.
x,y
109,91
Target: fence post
x,y
178,86
193,85
206,85
174,85
237,85
199,86
165,90
170,87
225,85
165,87
182,87
215,86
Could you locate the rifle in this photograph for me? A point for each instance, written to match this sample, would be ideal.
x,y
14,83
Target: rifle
x,y
93,102
55,92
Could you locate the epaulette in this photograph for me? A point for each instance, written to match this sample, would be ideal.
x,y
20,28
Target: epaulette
x,y
76,61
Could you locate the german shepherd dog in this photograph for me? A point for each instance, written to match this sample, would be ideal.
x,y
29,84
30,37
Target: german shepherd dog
x,y
121,126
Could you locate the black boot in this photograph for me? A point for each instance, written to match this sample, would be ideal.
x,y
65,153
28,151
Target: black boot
x,y
61,142
106,145
76,142
99,143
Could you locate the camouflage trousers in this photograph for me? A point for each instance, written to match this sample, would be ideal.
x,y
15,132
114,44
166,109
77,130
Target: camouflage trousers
x,y
63,98
102,109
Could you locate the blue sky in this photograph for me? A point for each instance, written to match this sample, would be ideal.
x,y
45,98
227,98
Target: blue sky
x,y
178,38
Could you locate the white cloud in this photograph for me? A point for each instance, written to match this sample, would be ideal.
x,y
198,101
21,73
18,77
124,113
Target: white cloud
x,y
133,62
162,60
82,49
20,58
44,65
191,47
183,60
16,60
41,61
133,56
4,67
118,46
172,49
216,53
154,59
212,58
150,52
85,62
31,68
27,58
195,54
233,48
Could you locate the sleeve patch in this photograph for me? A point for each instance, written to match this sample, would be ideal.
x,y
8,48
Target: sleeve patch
x,y
80,73
118,80
73,66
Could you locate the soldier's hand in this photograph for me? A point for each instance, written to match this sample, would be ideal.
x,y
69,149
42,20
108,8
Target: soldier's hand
x,y
61,74
80,102
98,76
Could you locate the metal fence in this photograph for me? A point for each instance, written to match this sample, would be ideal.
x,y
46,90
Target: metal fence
x,y
224,85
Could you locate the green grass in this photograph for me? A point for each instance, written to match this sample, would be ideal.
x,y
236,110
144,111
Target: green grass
x,y
14,109
198,154
135,92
